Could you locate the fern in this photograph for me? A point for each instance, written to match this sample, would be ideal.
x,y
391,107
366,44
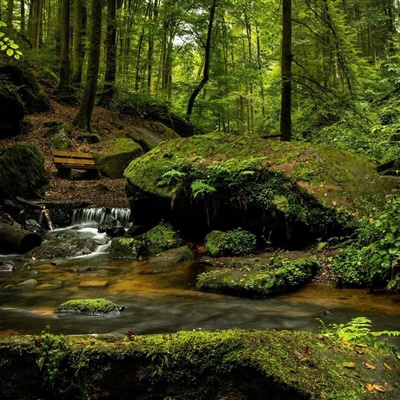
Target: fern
x,y
170,176
200,188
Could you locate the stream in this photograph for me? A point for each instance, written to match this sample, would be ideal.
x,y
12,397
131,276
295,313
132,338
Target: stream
x,y
161,298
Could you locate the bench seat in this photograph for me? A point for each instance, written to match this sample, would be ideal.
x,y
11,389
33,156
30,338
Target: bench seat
x,y
66,161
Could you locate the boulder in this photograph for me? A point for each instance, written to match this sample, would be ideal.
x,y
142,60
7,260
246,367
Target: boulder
x,y
152,135
89,307
11,113
287,193
126,248
27,87
22,171
173,256
115,155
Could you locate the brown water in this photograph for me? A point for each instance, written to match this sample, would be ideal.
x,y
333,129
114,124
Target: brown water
x,y
163,298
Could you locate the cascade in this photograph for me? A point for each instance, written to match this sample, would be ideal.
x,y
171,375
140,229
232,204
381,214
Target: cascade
x,y
99,216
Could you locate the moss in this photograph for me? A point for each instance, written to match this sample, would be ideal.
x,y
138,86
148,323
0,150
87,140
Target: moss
x,y
232,243
160,238
89,307
22,171
128,248
201,365
277,276
115,155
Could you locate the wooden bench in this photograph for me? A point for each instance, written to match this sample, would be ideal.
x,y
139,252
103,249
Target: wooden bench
x,y
66,161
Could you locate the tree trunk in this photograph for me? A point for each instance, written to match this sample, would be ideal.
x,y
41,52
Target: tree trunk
x,y
10,11
77,60
286,70
206,63
17,239
35,21
82,119
22,14
65,9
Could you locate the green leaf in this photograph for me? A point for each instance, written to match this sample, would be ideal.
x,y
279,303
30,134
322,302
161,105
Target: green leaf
x,y
2,34
14,46
2,23
10,52
3,47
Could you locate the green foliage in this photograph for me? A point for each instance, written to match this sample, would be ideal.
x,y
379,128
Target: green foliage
x,y
357,331
373,258
8,45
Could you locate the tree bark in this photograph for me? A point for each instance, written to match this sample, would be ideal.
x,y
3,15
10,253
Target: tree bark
x,y
83,118
65,8
206,63
286,70
10,11
111,54
77,58
17,239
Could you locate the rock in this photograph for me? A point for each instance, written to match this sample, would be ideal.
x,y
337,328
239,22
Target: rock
x,y
27,87
151,135
93,284
6,266
236,242
11,113
28,282
58,134
127,248
173,256
160,238
22,171
286,193
115,155
90,307
276,276
50,285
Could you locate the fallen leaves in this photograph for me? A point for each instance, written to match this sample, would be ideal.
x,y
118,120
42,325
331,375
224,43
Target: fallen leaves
x,y
371,387
349,365
369,366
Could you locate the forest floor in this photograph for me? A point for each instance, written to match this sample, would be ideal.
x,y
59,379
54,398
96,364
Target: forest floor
x,y
105,123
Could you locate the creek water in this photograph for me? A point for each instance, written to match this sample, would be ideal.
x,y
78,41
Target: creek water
x,y
162,298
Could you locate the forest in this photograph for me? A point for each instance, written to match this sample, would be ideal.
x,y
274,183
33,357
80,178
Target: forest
x,y
218,63
242,169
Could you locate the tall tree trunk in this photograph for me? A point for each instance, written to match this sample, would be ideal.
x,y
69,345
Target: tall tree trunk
x,y
65,8
83,118
77,59
111,54
35,21
151,50
206,63
10,10
286,70
22,14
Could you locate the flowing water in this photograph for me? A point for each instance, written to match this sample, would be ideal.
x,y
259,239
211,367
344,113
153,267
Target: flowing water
x,y
161,298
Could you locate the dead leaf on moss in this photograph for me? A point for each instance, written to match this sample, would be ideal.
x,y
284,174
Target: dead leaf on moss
x,y
379,388
369,366
370,387
308,350
387,366
350,365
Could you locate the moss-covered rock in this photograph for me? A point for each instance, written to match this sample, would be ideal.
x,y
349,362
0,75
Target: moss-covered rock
x,y
126,248
58,134
160,238
235,242
286,193
151,135
115,155
22,171
173,256
27,87
89,307
11,112
279,275
196,365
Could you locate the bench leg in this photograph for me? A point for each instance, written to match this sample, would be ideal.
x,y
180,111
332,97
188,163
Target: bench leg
x,y
94,173
65,173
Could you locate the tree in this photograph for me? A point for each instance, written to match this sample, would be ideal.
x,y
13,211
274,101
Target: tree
x,y
83,118
77,59
207,56
64,46
286,70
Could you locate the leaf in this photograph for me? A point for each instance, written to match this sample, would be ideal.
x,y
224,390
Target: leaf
x,y
370,387
369,366
379,388
10,52
349,365
308,350
14,46
387,366
3,47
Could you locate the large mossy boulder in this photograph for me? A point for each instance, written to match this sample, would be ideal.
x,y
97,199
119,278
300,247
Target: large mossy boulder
x,y
22,171
286,193
115,155
263,279
151,135
27,87
11,112
90,307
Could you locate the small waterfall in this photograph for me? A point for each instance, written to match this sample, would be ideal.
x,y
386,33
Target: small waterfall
x,y
100,216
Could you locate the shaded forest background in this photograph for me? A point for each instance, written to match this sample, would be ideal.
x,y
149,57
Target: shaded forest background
x,y
218,63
